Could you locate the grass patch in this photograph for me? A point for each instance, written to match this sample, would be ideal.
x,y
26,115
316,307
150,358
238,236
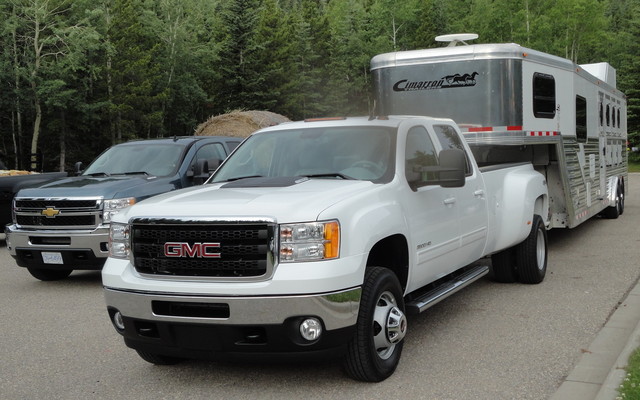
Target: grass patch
x,y
630,387
634,166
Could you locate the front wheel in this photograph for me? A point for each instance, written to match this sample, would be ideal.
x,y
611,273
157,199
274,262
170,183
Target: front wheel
x,y
158,359
374,352
531,262
49,274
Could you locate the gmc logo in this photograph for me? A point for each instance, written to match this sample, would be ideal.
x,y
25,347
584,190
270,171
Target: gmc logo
x,y
196,250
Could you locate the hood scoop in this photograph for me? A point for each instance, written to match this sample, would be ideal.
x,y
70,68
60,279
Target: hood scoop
x,y
254,182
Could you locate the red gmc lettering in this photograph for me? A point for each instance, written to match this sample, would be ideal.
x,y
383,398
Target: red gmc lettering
x,y
199,250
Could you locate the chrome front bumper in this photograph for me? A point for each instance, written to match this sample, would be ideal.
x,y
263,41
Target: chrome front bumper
x,y
58,240
336,310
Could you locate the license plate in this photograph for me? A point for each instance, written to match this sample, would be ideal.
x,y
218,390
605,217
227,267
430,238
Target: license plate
x,y
51,257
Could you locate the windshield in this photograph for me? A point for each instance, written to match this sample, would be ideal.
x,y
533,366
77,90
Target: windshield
x,y
139,158
356,152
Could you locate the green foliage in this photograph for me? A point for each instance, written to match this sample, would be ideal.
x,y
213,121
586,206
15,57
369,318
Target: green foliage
x,y
630,387
112,70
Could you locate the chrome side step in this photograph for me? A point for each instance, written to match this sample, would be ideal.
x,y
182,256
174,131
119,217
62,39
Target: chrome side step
x,y
446,289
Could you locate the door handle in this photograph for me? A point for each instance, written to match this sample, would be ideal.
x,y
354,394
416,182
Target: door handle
x,y
449,201
479,193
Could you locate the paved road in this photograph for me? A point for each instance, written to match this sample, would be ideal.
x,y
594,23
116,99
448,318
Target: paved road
x,y
490,341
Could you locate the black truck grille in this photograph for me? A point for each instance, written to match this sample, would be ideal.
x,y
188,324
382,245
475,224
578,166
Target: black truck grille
x,y
242,250
72,220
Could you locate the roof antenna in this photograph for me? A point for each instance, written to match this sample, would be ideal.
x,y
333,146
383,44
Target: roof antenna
x,y
456,38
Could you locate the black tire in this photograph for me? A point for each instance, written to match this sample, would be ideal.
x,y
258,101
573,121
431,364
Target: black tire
x,y
49,274
158,359
616,210
503,266
531,255
374,351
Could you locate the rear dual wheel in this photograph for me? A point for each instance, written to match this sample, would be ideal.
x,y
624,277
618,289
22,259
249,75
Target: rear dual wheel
x,y
525,262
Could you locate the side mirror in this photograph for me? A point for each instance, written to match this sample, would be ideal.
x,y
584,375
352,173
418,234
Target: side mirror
x,y
453,164
449,171
78,167
200,172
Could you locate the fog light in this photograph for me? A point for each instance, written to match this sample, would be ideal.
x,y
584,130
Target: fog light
x,y
311,329
118,321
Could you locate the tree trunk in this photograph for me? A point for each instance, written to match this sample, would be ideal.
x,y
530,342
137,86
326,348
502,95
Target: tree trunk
x,y
63,135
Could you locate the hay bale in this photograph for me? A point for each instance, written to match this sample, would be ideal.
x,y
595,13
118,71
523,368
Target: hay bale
x,y
239,123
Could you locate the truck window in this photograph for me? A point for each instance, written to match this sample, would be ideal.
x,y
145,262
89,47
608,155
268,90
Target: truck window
x,y
211,151
153,159
355,152
449,139
419,152
581,119
544,96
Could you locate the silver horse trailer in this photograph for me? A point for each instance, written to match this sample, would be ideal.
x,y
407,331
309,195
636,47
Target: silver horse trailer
x,y
515,104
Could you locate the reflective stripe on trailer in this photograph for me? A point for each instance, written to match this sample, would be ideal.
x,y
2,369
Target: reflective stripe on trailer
x,y
471,129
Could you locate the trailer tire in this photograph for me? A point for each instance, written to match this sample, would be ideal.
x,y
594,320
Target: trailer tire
x,y
531,255
503,266
158,359
374,351
616,210
49,274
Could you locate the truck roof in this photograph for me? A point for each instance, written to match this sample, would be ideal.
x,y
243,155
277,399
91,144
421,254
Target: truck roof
x,y
181,139
391,121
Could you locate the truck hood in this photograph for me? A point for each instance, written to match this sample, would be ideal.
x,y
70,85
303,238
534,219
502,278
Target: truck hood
x,y
88,186
301,201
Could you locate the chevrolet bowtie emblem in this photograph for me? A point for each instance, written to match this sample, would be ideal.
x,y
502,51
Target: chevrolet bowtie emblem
x,y
50,212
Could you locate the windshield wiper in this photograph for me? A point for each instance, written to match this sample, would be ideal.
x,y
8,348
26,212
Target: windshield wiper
x,y
329,175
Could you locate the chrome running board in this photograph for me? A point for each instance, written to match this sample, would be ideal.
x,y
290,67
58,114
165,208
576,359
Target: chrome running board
x,y
446,289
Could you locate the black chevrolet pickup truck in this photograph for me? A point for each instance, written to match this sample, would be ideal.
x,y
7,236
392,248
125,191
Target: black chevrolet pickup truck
x,y
63,224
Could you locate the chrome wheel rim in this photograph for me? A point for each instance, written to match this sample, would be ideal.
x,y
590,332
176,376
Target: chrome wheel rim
x,y
389,325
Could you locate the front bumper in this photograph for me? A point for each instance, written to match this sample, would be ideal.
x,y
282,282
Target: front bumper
x,y
222,327
79,249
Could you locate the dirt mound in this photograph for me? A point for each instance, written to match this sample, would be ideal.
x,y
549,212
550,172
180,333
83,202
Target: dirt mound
x,y
239,123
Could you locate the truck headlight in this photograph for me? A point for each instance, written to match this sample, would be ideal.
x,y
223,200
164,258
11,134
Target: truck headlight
x,y
309,241
113,206
119,240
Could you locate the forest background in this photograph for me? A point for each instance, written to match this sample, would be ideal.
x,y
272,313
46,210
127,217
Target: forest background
x,y
79,75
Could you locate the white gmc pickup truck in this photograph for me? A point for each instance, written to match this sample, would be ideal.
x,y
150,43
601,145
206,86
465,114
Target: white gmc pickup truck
x,y
318,237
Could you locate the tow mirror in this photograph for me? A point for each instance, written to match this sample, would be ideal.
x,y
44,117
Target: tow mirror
x,y
453,164
200,172
78,167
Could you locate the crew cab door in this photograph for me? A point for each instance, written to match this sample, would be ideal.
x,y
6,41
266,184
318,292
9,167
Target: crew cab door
x,y
470,200
448,225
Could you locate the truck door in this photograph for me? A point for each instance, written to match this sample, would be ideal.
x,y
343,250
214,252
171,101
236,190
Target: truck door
x,y
470,200
432,215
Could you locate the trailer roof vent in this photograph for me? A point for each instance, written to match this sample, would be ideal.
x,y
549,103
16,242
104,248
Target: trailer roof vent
x,y
456,38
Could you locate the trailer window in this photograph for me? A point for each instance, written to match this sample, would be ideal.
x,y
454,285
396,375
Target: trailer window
x,y
581,119
601,114
544,96
618,117
608,115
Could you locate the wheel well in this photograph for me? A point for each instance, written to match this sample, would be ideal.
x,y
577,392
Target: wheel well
x,y
393,253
